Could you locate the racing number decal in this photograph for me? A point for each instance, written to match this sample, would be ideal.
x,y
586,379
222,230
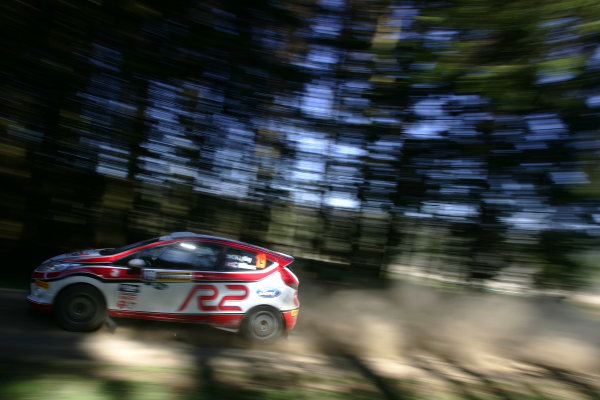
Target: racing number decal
x,y
261,260
201,299
214,293
239,288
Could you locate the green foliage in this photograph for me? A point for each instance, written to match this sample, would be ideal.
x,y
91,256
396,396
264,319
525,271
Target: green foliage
x,y
328,130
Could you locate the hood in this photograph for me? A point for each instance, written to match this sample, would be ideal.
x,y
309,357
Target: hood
x,y
78,255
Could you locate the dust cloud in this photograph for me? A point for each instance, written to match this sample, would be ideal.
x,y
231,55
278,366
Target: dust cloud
x,y
398,328
481,329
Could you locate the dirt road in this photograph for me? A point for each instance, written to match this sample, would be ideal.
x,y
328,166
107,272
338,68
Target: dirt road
x,y
402,342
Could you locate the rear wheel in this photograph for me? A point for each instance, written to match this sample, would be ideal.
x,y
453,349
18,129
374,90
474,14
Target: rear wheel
x,y
80,308
263,325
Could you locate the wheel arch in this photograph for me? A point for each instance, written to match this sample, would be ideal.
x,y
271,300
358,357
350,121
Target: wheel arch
x,y
80,307
82,285
263,307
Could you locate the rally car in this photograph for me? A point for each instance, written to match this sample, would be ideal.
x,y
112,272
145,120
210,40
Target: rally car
x,y
183,277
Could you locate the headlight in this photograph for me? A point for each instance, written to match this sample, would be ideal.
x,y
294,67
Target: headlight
x,y
55,266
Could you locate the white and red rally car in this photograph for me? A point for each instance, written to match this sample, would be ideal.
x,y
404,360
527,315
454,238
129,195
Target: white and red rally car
x,y
183,277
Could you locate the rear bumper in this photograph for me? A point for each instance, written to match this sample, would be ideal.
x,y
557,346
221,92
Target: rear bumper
x,y
290,318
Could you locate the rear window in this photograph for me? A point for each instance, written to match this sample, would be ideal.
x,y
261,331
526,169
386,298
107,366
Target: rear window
x,y
242,260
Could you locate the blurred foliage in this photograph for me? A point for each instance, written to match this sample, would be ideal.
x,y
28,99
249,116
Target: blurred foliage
x,y
457,137
90,381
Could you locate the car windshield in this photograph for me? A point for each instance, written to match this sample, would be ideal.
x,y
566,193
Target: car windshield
x,y
109,252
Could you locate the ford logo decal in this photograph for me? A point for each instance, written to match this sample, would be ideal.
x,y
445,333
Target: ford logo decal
x,y
268,292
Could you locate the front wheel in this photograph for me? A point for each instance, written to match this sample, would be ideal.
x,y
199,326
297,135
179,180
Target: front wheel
x,y
80,308
263,325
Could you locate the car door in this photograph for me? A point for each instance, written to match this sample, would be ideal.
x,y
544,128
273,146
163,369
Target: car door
x,y
227,293
170,273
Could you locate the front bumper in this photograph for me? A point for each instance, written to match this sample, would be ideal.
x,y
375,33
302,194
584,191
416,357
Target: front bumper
x,y
40,295
39,305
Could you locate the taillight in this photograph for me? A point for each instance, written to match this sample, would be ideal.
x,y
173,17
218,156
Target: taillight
x,y
289,278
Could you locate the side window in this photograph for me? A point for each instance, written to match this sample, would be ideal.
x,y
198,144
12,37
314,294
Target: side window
x,y
236,259
149,255
189,255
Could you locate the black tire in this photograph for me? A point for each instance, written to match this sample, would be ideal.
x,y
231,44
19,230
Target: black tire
x,y
263,325
80,308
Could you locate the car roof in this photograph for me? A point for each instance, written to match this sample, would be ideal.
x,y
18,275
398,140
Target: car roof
x,y
183,235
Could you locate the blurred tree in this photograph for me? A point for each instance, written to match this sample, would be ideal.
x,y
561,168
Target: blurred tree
x,y
517,77
351,131
560,267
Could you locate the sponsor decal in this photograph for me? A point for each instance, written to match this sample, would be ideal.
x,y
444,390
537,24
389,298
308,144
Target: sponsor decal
x,y
240,261
207,298
42,284
166,276
239,265
129,288
268,292
158,285
114,273
174,276
294,313
127,295
149,275
239,258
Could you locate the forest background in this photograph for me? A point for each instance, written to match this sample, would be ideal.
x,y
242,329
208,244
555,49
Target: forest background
x,y
459,139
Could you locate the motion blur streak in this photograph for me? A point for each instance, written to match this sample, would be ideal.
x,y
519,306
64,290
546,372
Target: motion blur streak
x,y
455,141
488,332
406,341
408,332
372,134
125,351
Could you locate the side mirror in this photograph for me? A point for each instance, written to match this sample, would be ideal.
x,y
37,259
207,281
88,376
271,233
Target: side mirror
x,y
136,263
